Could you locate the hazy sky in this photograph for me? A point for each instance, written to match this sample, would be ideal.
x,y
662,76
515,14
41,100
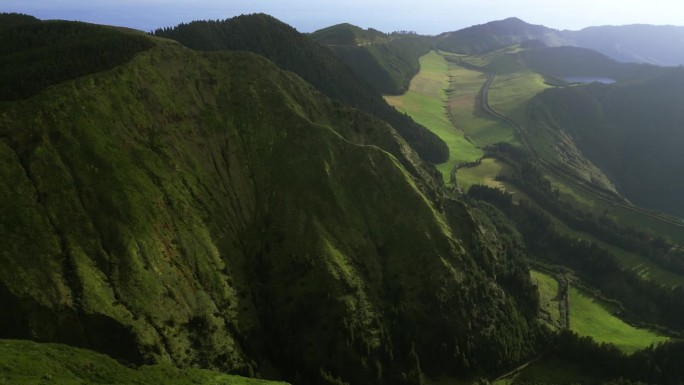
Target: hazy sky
x,y
423,16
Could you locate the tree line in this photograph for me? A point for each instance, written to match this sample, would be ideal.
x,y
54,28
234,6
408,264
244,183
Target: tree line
x,y
35,55
293,51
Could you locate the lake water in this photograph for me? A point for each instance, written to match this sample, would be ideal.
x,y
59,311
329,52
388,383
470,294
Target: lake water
x,y
588,79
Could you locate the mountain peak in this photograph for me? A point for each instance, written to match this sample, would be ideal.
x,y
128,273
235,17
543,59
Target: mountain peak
x,y
493,35
348,34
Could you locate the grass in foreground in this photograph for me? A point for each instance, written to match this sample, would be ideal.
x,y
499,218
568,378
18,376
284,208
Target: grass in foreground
x,y
425,102
26,362
589,317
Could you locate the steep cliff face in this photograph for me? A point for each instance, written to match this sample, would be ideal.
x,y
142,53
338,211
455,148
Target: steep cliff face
x,y
213,210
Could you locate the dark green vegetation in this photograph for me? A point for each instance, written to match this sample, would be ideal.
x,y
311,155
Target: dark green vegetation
x,y
563,62
632,131
494,35
24,362
613,265
35,55
210,209
385,61
642,301
295,52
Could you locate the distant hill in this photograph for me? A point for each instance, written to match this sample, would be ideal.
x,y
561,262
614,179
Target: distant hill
x,y
293,51
661,45
386,61
12,19
632,131
561,62
494,35
639,43
348,34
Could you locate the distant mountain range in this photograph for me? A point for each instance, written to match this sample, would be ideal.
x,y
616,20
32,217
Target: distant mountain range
x,y
660,45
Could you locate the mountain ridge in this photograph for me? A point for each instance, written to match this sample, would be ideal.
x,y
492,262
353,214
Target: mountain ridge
x,y
213,210
293,51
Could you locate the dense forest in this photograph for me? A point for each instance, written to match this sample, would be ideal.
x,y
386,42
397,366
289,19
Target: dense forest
x,y
35,55
388,62
293,51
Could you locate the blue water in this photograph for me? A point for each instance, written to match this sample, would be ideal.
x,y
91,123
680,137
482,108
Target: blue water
x,y
588,79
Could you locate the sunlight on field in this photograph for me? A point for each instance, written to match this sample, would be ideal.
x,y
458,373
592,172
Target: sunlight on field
x,y
589,317
510,94
485,173
425,102
466,112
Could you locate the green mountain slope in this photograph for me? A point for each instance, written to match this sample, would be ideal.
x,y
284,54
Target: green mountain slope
x,y
348,34
25,362
35,54
387,62
632,131
212,210
495,35
293,51
562,62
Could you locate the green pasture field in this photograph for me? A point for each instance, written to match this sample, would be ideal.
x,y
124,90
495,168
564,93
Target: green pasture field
x,y
425,102
466,113
510,94
548,298
646,269
484,173
590,317
439,83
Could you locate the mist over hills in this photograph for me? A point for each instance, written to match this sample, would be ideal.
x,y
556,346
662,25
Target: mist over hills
x,y
660,45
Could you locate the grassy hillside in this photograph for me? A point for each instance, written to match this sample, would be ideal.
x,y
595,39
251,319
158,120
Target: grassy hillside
x,y
387,62
425,102
35,54
25,362
629,130
550,299
465,105
293,51
211,210
348,34
589,317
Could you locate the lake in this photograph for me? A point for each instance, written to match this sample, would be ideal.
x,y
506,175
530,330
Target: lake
x,y
588,79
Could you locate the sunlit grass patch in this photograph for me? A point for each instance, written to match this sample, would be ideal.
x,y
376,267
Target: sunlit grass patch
x,y
590,317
